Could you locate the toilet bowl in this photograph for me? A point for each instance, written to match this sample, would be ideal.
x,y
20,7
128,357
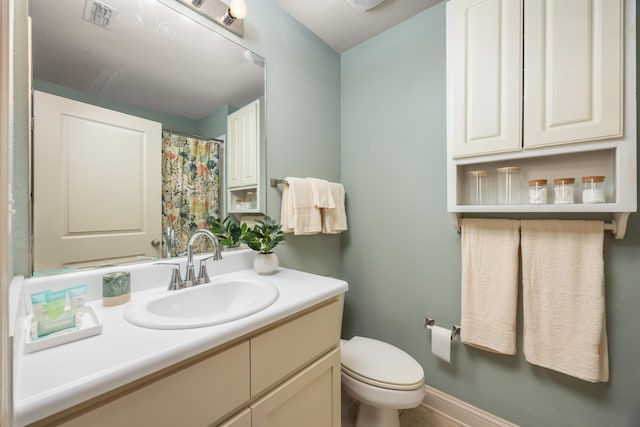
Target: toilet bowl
x,y
382,378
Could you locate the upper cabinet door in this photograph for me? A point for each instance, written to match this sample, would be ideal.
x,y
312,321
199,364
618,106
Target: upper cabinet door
x,y
243,145
484,76
573,71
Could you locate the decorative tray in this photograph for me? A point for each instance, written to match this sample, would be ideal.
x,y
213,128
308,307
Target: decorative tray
x,y
90,325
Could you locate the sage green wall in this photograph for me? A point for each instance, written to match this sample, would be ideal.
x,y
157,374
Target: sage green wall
x,y
302,114
401,255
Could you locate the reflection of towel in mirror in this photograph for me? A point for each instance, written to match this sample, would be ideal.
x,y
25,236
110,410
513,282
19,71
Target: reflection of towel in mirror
x,y
564,297
322,197
299,214
334,220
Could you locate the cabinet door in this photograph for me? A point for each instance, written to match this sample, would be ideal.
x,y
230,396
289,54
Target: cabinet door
x,y
243,419
310,399
484,76
573,71
198,395
243,146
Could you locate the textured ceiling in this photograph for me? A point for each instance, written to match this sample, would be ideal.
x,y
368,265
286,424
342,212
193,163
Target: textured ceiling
x,y
342,27
151,57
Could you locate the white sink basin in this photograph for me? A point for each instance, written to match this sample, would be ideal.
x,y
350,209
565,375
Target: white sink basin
x,y
202,305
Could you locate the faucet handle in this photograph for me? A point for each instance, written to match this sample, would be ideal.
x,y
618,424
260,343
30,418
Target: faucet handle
x,y
176,279
203,275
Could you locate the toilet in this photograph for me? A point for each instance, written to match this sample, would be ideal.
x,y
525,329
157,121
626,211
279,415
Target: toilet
x,y
382,378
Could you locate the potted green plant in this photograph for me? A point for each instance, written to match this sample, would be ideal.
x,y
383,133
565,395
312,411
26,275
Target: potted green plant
x,y
228,231
263,237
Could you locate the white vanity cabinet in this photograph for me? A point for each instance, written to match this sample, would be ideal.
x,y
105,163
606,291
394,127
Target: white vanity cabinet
x,y
244,153
546,86
286,374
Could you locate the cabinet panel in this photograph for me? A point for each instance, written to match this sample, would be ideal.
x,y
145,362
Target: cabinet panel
x,y
287,348
199,394
484,84
573,75
310,399
243,419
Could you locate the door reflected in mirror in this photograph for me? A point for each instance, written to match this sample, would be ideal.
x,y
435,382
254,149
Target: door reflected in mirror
x,y
155,60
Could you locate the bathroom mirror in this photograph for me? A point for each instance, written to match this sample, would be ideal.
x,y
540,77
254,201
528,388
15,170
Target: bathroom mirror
x,y
155,59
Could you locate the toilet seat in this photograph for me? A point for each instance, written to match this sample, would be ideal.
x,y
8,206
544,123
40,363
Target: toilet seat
x,y
380,364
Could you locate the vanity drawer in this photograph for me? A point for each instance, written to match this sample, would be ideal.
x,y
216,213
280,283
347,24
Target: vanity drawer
x,y
280,352
199,394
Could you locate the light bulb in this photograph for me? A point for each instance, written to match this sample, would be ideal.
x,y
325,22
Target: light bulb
x,y
238,9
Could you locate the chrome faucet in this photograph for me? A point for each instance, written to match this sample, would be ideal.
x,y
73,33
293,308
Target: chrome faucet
x,y
191,279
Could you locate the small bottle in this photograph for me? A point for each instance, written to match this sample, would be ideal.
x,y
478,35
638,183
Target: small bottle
x,y
563,190
593,189
537,191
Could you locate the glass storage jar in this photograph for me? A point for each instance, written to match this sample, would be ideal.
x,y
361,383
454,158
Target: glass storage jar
x,y
537,191
593,189
480,189
509,186
563,190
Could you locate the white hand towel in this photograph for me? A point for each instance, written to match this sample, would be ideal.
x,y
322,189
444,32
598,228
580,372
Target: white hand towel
x,y
286,211
322,197
334,221
563,297
302,217
490,283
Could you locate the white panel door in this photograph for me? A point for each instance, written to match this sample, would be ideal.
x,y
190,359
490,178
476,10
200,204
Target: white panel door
x,y
243,145
97,185
573,71
484,76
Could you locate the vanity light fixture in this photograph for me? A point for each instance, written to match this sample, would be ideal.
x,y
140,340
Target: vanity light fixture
x,y
237,10
230,16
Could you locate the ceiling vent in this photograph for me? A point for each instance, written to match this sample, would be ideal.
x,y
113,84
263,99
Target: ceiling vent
x,y
99,13
364,4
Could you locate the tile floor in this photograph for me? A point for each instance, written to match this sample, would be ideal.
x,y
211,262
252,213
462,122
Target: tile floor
x,y
417,417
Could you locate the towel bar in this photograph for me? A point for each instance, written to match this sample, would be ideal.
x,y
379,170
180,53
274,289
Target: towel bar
x,y
617,226
274,182
429,323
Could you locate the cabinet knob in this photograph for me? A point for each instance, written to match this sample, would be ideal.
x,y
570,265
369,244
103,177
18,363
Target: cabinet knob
x,y
155,243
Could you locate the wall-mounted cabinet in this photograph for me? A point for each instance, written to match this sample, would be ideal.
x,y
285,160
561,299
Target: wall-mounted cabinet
x,y
545,86
245,159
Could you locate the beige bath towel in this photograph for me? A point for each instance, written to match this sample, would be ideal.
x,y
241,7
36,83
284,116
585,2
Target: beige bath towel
x,y
299,214
334,220
563,297
490,283
322,197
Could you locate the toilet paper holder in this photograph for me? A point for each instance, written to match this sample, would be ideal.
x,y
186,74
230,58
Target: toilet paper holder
x,y
429,323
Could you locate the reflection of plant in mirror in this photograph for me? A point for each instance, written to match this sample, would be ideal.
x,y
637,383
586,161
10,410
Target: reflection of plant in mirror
x,y
264,236
228,231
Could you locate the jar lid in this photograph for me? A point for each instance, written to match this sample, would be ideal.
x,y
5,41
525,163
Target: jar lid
x,y
508,169
538,182
593,179
564,181
478,173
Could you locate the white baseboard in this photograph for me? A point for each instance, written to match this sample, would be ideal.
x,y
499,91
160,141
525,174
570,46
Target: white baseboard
x,y
461,411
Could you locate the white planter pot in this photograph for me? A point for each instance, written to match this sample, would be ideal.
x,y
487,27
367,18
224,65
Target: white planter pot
x,y
266,263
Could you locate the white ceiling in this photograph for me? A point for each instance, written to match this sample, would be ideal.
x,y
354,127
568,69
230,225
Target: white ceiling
x,y
342,27
151,57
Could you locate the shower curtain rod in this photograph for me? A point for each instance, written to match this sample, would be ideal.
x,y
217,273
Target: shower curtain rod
x,y
193,135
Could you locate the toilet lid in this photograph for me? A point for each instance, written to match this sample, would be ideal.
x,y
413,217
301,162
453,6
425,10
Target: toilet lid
x,y
380,364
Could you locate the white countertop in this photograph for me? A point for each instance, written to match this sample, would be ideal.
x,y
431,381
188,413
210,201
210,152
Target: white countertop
x,y
57,378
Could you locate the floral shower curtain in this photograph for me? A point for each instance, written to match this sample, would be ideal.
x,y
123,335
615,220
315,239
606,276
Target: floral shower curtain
x,y
190,186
